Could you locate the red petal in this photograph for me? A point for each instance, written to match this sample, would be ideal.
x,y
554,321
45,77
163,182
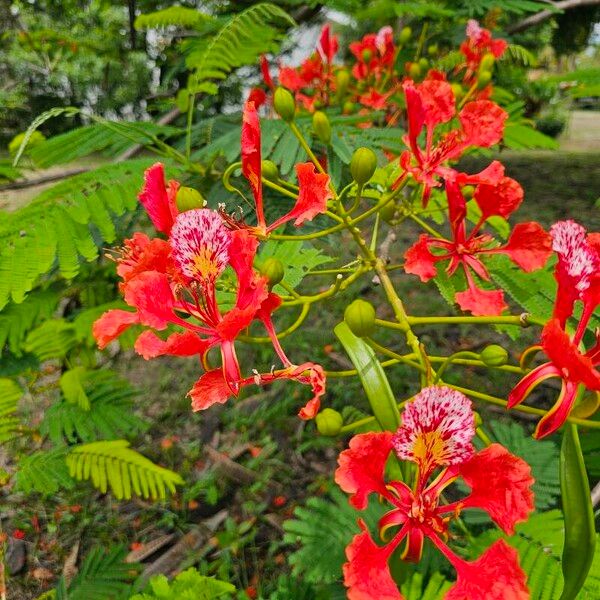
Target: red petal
x,y
500,484
149,345
210,389
141,253
415,111
150,292
312,196
437,99
290,79
501,199
482,123
574,365
481,302
495,575
529,246
159,201
558,414
316,380
257,96
491,175
531,380
366,574
418,260
362,466
251,156
112,324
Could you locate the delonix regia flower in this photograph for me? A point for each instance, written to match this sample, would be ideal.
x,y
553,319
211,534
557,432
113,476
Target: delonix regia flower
x,y
174,282
479,42
435,434
577,273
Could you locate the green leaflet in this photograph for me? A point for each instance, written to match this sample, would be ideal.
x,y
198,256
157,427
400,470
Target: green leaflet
x,y
580,536
372,377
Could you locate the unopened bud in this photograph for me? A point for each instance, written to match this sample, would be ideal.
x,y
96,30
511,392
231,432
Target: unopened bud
x,y
360,318
432,50
468,191
388,212
363,165
414,70
189,198
269,170
424,64
405,35
367,55
329,422
284,104
494,356
487,62
483,79
273,270
348,108
457,90
321,126
342,80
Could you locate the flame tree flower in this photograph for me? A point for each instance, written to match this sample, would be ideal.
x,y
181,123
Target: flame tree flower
x,y
436,432
479,42
528,245
577,273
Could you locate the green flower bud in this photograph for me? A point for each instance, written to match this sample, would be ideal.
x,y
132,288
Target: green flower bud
x,y
321,126
388,212
348,108
468,191
360,318
329,422
424,64
189,198
414,70
494,356
269,170
483,78
342,80
405,35
432,50
457,90
363,165
367,55
284,104
273,270
487,62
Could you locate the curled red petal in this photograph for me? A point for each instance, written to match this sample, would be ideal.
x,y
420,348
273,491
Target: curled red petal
x,y
149,345
415,112
482,123
531,380
529,246
501,199
316,380
150,292
495,575
210,389
500,484
158,199
112,324
362,466
418,259
481,302
558,414
251,156
366,574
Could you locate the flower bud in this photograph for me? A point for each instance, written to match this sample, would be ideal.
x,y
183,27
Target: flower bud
x,y
494,356
189,198
457,90
360,318
348,108
273,270
483,79
342,80
468,191
321,126
414,70
329,422
269,170
363,165
284,104
432,50
367,55
424,64
388,212
487,62
405,35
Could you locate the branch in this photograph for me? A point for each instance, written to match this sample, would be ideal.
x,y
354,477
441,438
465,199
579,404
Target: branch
x,y
544,15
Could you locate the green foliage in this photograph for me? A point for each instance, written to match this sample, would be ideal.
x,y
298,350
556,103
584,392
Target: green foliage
x,y
415,588
112,463
110,414
323,528
64,224
189,585
181,16
240,42
10,394
52,339
103,574
44,471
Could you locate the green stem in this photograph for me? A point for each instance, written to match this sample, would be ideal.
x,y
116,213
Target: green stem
x,y
450,359
523,320
188,131
398,357
425,226
266,340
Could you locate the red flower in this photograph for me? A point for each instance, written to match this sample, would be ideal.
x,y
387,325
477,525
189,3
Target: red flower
x,y
328,45
578,275
528,246
479,42
436,431
430,104
375,53
313,186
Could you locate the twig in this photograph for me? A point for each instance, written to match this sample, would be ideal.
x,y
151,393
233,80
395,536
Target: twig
x,y
546,14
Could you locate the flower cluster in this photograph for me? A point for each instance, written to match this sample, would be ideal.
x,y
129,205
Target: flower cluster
x,y
174,281
435,435
577,273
